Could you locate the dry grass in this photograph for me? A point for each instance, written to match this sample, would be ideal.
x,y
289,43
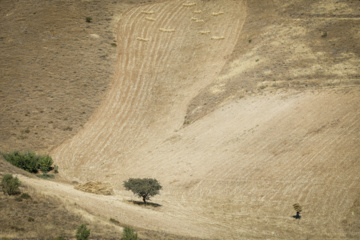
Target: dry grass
x,y
150,19
142,39
197,11
197,20
217,13
189,4
217,37
166,30
147,12
204,32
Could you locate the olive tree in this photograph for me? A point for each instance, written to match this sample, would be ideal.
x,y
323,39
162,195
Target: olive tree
x,y
143,187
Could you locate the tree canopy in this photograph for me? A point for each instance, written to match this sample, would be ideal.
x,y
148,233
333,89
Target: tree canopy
x,y
143,187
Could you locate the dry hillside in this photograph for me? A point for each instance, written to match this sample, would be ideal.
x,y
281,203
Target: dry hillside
x,y
240,108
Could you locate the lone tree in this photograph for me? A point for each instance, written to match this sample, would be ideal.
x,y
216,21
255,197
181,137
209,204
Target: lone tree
x,y
298,210
143,187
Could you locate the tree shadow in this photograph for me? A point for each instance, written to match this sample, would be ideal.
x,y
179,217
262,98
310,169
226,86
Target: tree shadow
x,y
297,217
140,203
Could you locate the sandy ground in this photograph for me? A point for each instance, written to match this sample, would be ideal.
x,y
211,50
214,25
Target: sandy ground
x,y
248,173
234,129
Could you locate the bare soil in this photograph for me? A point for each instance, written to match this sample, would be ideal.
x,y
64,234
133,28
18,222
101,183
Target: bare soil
x,y
239,108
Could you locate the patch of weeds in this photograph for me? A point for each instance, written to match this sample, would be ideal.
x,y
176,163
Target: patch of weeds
x,y
257,60
114,221
56,169
30,219
45,176
263,87
82,233
324,35
68,128
187,122
27,131
17,229
113,44
88,19
250,40
23,196
129,234
59,238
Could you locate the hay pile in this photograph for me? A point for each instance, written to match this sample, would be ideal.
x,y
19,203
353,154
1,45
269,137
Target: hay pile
x,y
96,187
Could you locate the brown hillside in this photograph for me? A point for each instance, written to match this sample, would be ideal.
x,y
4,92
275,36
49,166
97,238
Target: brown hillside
x,y
239,108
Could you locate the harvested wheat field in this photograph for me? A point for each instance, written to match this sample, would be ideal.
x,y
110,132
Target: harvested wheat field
x,y
239,108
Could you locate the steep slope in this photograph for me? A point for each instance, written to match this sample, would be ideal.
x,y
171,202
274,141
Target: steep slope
x,y
164,59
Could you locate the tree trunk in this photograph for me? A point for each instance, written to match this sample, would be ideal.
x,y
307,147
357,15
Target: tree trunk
x,y
297,215
144,199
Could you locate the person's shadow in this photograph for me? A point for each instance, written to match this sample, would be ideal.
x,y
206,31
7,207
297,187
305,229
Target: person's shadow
x,y
297,216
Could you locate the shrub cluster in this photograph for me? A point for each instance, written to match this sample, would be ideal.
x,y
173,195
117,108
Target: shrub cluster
x,y
129,234
29,161
45,164
22,197
10,185
82,233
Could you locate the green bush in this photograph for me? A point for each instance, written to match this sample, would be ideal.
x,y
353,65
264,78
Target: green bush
x,y
82,233
129,234
28,161
10,185
88,19
45,163
23,196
